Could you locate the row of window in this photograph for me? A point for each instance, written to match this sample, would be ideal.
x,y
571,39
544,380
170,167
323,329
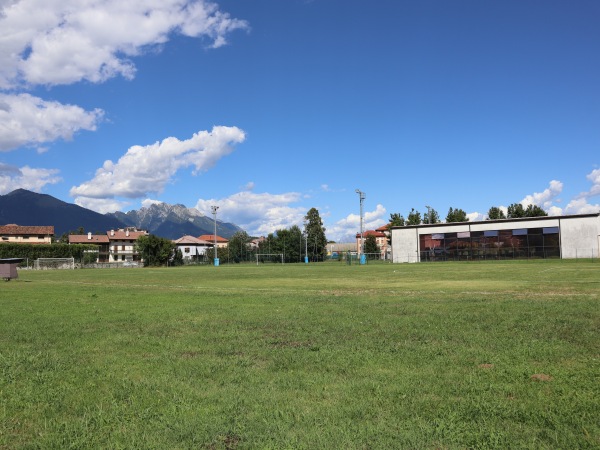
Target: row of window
x,y
491,244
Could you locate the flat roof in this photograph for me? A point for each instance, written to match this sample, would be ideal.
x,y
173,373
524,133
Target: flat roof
x,y
450,224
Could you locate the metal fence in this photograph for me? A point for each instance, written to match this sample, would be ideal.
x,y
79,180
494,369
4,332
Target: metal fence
x,y
496,255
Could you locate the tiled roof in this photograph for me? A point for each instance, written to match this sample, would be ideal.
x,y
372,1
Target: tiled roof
x,y
371,233
211,238
123,235
20,230
85,239
191,240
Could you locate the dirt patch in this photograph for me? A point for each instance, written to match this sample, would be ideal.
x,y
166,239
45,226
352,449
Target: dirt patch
x,y
541,377
486,366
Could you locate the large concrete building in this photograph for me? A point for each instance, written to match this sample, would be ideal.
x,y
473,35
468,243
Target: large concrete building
x,y
576,236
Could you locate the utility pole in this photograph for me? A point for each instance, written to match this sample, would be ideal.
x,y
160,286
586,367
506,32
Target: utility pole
x,y
214,213
361,196
428,214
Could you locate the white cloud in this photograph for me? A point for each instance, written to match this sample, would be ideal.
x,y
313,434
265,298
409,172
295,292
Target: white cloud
x,y
545,198
101,205
26,177
476,217
144,170
594,177
50,42
345,230
147,203
29,120
581,206
257,214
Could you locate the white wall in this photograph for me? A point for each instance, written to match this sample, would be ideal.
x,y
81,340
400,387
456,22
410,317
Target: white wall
x,y
405,245
580,237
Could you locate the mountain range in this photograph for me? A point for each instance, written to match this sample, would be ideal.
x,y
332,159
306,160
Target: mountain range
x,y
23,207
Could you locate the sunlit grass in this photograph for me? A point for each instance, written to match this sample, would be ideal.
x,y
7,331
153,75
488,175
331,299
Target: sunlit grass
x,y
303,356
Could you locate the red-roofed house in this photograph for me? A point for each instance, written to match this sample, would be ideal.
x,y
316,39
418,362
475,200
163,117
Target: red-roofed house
x,y
192,248
122,244
101,240
18,234
380,239
221,241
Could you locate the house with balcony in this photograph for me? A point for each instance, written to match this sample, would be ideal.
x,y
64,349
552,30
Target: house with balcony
x,y
101,240
121,244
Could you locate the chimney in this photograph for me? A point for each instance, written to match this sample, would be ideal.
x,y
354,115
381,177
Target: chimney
x,y
89,235
127,232
112,232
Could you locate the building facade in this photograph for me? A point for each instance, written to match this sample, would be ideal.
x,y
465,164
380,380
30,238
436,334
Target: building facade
x,y
18,234
380,239
122,246
192,248
576,236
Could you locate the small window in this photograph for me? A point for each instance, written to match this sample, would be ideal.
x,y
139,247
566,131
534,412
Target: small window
x,y
520,232
490,233
551,230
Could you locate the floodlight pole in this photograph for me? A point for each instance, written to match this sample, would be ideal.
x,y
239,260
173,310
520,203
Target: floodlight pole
x,y
361,196
214,213
305,244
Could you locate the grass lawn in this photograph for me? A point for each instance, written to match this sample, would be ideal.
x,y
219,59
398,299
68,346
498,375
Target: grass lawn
x,y
434,356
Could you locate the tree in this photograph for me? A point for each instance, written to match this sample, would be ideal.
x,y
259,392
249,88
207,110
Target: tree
x,y
496,213
535,211
396,220
371,245
315,235
238,247
414,217
515,211
456,215
431,216
156,251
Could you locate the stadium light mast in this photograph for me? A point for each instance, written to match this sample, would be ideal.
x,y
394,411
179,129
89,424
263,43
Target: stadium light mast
x,y
214,213
361,196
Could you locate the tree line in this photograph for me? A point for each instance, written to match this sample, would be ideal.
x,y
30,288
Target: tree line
x,y
514,211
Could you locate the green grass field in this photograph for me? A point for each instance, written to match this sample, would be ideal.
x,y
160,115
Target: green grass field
x,y
433,356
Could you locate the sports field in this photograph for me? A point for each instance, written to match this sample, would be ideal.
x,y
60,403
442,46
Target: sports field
x,y
433,356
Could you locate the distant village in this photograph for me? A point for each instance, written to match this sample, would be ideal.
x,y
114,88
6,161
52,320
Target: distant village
x,y
118,245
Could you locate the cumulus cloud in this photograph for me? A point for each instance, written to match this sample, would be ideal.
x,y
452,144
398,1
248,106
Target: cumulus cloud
x,y
545,198
345,230
29,120
581,206
594,177
258,214
101,205
62,42
33,179
147,169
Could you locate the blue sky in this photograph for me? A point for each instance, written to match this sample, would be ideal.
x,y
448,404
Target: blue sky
x,y
268,108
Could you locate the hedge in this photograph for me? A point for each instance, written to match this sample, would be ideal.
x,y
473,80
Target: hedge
x,y
32,252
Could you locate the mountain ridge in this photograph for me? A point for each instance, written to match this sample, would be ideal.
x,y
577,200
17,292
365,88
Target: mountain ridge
x,y
23,207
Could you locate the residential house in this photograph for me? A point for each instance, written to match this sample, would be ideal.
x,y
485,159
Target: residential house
x,y
221,241
101,240
192,248
380,239
18,234
121,244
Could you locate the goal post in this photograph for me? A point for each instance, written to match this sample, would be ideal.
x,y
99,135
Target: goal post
x,y
269,257
54,263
